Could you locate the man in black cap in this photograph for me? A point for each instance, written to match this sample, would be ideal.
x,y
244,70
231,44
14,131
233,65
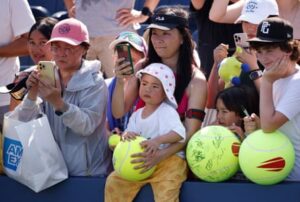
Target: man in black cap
x,y
278,52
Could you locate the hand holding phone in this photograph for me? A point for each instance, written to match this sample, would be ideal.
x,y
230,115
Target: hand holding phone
x,y
240,39
47,70
123,51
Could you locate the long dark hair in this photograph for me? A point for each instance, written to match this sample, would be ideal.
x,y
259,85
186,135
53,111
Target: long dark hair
x,y
236,98
44,25
185,60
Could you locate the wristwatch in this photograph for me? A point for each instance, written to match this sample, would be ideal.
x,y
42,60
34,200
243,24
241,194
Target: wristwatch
x,y
63,110
146,11
255,74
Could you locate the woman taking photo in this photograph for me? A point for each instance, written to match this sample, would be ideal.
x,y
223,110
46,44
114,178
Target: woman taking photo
x,y
75,106
170,43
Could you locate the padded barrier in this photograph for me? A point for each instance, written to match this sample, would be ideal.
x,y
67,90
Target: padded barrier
x,y
91,189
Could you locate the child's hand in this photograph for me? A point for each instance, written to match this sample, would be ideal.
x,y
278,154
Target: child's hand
x,y
251,123
129,136
237,130
151,146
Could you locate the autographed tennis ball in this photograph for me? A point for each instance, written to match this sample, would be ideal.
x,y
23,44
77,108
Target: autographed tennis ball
x,y
212,153
113,140
122,160
266,158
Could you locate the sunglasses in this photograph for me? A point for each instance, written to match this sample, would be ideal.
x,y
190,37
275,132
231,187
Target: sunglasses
x,y
132,37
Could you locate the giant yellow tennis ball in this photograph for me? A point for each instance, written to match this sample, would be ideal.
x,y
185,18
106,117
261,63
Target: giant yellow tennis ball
x,y
212,153
266,158
113,140
122,160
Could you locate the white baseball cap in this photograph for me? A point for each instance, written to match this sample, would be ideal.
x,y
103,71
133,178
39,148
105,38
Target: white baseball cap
x,y
166,77
255,11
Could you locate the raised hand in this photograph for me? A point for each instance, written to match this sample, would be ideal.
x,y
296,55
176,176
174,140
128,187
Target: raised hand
x,y
32,84
220,52
122,67
127,16
248,56
50,93
279,69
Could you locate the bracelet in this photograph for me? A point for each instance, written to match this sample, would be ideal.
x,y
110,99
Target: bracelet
x,y
63,110
255,74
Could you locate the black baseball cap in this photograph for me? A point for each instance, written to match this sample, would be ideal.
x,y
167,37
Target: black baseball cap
x,y
273,29
16,90
167,22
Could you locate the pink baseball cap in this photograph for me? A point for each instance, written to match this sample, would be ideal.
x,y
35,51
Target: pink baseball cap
x,y
70,31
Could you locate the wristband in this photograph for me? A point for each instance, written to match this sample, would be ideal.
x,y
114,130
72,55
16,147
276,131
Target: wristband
x,y
146,11
195,114
255,74
63,110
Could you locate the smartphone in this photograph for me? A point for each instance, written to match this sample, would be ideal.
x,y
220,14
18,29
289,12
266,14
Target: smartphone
x,y
123,51
47,70
240,39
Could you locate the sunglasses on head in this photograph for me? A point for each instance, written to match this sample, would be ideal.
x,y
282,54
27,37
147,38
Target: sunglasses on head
x,y
132,37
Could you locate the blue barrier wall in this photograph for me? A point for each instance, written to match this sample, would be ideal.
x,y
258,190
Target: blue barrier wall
x,y
77,189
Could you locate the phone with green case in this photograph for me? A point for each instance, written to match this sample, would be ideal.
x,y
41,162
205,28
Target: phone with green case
x,y
124,51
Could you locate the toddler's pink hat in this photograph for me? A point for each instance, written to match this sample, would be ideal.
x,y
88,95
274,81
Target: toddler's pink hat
x,y
71,31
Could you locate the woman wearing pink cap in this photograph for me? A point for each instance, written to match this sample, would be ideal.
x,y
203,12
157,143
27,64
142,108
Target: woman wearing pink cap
x,y
76,105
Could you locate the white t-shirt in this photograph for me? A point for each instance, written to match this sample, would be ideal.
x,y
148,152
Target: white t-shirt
x,y
163,120
286,97
15,19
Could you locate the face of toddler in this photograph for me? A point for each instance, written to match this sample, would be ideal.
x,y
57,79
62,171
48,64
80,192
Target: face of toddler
x,y
151,90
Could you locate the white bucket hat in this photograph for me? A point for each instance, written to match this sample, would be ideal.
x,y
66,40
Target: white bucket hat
x,y
166,77
255,11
